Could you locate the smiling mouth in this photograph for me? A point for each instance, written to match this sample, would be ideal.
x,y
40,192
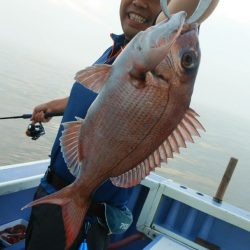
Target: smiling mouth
x,y
136,18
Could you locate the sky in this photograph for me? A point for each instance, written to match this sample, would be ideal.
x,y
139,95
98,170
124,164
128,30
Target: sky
x,y
73,33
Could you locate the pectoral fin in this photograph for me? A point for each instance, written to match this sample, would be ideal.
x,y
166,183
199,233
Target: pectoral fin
x,y
94,77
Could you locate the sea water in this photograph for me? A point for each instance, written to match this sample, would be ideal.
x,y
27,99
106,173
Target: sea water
x,y
26,81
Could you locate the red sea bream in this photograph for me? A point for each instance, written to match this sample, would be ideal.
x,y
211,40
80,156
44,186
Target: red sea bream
x,y
140,117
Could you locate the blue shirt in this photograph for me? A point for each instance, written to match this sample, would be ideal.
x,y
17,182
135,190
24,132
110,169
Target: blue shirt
x,y
79,101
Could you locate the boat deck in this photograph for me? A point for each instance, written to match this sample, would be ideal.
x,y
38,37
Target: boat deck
x,y
165,212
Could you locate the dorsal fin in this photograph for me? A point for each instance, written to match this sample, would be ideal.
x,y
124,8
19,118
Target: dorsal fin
x,y
182,133
94,77
69,144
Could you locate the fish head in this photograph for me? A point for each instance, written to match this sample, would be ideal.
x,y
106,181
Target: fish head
x,y
149,47
179,68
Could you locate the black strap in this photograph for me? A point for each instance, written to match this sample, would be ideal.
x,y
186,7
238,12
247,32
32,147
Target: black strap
x,y
96,209
56,181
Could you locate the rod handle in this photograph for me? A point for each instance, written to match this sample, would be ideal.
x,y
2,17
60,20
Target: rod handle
x,y
52,114
47,115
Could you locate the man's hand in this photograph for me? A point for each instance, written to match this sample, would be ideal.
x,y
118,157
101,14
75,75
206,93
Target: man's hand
x,y
189,7
39,111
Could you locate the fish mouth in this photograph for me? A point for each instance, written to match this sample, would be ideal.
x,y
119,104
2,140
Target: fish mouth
x,y
189,27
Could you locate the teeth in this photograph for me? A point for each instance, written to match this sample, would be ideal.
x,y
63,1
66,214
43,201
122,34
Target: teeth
x,y
137,18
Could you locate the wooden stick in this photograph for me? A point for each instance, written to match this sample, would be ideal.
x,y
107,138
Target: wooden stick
x,y
225,180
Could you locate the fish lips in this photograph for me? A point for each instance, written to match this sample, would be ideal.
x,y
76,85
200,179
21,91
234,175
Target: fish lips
x,y
189,27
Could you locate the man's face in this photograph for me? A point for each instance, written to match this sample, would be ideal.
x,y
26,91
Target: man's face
x,y
138,15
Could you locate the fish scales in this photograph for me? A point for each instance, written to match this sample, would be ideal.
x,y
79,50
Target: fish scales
x,y
137,108
114,131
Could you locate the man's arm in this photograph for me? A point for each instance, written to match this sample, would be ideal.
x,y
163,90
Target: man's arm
x,y
57,105
188,6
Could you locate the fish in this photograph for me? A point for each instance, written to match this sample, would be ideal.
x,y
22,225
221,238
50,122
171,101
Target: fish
x,y
140,118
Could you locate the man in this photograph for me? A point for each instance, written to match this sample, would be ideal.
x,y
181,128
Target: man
x,y
108,210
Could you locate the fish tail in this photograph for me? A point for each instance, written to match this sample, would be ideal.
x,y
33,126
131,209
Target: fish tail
x,y
74,209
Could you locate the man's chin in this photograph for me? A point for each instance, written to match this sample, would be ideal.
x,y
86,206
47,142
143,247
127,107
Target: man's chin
x,y
130,32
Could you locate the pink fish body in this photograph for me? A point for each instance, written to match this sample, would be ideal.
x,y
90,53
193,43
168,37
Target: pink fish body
x,y
140,117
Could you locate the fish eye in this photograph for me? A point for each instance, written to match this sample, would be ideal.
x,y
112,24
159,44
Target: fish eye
x,y
188,60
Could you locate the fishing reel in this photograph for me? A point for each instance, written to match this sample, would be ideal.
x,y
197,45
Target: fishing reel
x,y
35,130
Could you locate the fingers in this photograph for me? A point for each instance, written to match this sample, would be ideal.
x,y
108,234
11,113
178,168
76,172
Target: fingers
x,y
164,8
38,114
39,117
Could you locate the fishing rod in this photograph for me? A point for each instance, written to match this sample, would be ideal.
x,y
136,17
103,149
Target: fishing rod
x,y
27,116
34,130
